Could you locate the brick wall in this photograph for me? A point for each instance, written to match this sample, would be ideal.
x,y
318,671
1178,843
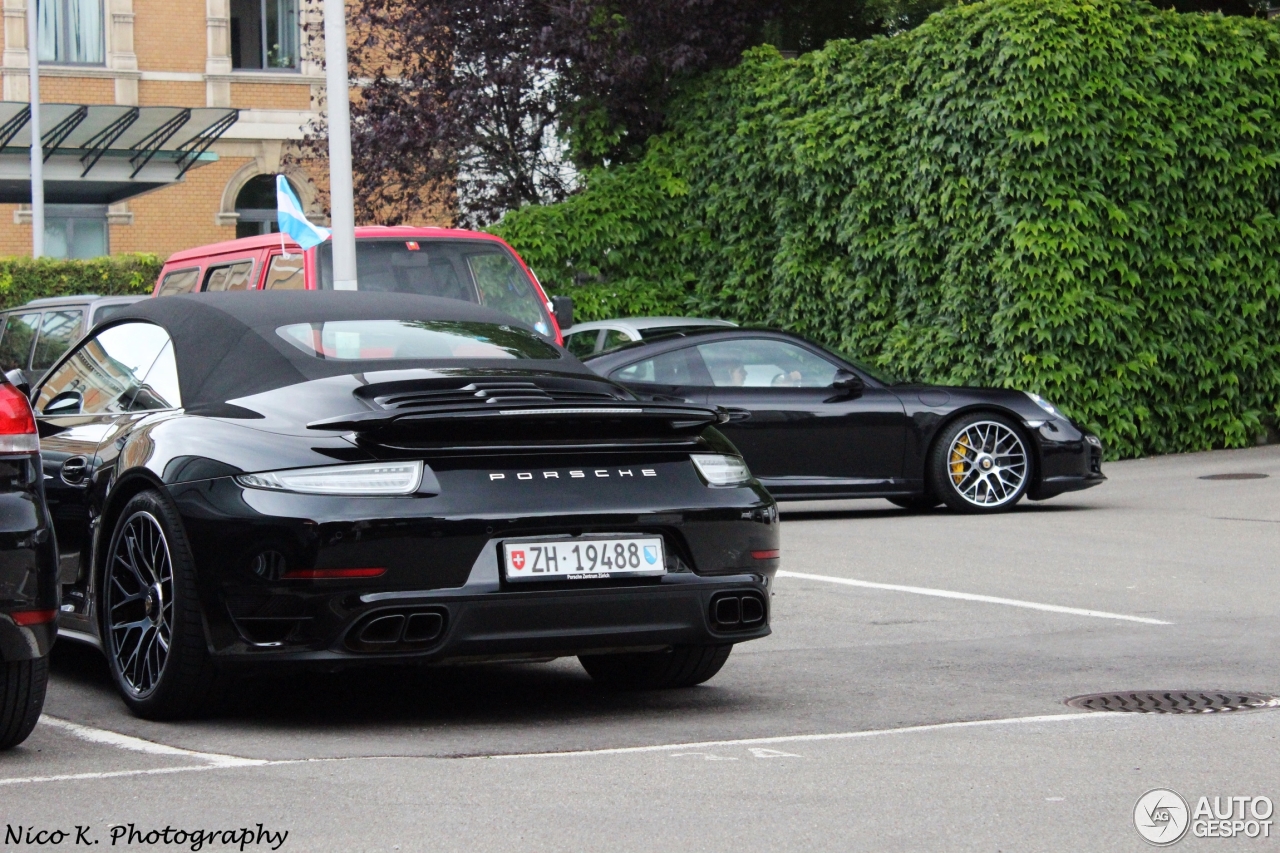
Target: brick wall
x,y
77,90
14,239
170,35
271,96
166,93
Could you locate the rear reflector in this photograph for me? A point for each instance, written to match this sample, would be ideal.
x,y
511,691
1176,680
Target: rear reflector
x,y
33,617
330,574
766,555
17,426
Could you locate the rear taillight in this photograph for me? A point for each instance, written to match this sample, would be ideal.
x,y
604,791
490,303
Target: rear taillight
x,y
17,426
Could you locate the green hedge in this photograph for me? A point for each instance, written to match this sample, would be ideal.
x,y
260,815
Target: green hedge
x,y
22,279
1072,197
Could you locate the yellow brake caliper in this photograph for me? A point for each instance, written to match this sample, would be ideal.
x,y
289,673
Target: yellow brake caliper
x,y
958,459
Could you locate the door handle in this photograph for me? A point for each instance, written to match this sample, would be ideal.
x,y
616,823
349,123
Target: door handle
x,y
737,414
74,470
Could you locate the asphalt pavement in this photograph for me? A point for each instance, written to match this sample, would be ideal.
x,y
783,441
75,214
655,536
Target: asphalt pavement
x,y
910,698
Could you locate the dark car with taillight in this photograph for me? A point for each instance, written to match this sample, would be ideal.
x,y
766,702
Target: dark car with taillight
x,y
340,479
28,572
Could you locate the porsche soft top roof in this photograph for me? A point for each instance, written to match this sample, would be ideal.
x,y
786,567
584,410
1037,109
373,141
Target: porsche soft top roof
x,y
226,344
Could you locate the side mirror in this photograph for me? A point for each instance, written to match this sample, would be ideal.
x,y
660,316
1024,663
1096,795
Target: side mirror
x,y
563,307
19,381
847,382
66,403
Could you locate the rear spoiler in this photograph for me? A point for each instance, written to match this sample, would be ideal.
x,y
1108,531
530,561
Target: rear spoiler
x,y
676,416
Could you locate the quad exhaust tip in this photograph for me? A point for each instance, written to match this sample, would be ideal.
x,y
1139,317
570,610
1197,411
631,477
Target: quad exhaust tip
x,y
405,629
737,611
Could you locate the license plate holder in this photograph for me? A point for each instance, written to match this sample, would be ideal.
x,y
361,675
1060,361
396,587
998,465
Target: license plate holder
x,y
583,558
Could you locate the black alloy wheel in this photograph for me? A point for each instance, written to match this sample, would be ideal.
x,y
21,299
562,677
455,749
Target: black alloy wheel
x,y
22,687
679,666
151,626
980,464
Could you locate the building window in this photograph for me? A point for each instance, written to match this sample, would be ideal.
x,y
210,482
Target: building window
x,y
71,32
75,230
264,34
256,206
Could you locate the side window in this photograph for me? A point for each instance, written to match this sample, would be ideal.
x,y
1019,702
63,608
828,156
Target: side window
x,y
671,368
105,374
58,331
160,388
180,281
228,277
504,287
583,343
765,364
614,338
19,334
285,273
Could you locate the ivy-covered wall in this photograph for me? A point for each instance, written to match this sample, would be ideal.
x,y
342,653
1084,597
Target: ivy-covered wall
x,y
1075,197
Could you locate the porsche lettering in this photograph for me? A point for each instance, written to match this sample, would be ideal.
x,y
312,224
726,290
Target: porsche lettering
x,y
599,473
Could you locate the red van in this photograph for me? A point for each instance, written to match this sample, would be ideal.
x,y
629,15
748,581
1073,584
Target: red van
x,y
447,262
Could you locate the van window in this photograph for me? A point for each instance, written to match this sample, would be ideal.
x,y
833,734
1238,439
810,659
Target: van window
x,y
470,270
179,281
58,330
19,334
285,273
228,277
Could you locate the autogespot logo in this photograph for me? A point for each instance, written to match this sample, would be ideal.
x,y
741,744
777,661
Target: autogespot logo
x,y
1161,817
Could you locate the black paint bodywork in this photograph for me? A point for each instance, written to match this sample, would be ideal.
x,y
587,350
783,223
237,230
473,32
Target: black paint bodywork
x,y
870,441
28,559
441,547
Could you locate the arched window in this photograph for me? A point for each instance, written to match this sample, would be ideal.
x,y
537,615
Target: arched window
x,y
256,204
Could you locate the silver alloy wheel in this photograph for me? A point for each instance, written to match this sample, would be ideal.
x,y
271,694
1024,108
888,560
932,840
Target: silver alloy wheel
x,y
987,464
139,603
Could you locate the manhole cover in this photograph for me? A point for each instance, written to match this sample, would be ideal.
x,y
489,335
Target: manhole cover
x,y
1174,701
1240,476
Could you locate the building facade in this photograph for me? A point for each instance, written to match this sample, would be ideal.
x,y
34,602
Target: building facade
x,y
252,55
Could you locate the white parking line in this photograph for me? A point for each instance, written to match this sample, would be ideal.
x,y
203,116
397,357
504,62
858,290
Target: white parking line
x,y
756,741
969,596
135,744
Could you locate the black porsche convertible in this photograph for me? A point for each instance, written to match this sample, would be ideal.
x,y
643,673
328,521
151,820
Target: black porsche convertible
x,y
813,424
338,478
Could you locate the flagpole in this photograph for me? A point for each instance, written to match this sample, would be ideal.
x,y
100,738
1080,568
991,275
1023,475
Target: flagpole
x,y
341,197
37,148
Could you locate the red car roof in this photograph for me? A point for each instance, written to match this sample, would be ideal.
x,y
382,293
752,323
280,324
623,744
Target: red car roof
x,y
267,240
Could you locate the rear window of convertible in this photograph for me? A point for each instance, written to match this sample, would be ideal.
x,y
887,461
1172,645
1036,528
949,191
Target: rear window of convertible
x,y
370,340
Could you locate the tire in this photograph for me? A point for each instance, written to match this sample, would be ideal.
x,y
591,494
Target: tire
x,y
981,464
679,666
916,503
22,686
149,596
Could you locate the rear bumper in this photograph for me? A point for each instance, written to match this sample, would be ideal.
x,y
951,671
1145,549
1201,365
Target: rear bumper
x,y
442,570
28,560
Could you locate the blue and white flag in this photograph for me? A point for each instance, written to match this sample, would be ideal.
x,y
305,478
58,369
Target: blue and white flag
x,y
292,220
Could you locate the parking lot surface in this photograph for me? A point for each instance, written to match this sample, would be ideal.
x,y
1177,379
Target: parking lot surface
x,y
911,698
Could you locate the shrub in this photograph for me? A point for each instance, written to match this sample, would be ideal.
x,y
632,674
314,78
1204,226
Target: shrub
x,y
24,279
1075,197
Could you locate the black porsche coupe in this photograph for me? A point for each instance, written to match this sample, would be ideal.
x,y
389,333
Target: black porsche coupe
x,y
813,424
339,478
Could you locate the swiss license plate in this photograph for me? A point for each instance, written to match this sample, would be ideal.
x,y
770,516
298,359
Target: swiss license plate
x,y
584,559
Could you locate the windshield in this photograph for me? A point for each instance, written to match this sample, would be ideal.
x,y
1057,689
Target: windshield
x,y
373,340
475,271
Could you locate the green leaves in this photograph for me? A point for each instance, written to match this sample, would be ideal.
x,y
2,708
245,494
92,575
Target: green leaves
x,y
24,279
1077,199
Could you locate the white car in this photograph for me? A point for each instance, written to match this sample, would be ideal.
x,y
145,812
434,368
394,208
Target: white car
x,y
583,339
